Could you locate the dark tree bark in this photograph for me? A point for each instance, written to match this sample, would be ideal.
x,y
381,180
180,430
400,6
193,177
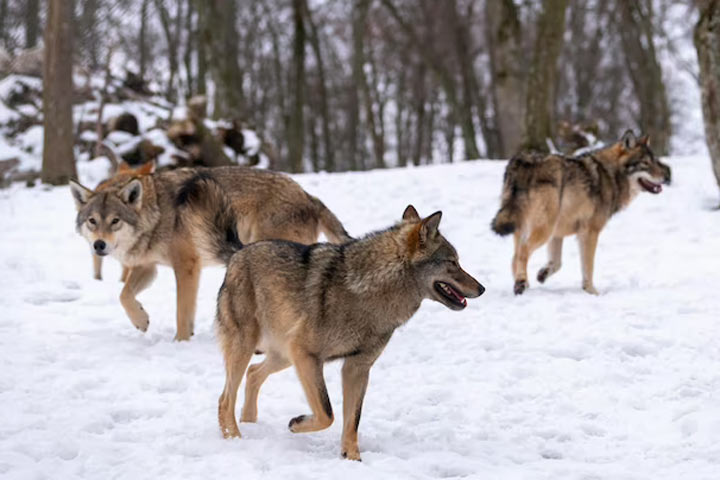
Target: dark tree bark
x,y
541,81
462,112
359,18
221,41
142,40
87,33
707,43
32,22
504,38
314,38
296,132
172,38
636,32
58,160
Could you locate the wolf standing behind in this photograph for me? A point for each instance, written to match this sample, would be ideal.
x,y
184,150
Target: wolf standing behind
x,y
550,197
189,218
306,305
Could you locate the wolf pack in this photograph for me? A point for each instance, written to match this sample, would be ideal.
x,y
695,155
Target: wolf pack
x,y
301,303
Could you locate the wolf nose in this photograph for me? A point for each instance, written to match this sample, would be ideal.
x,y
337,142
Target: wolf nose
x,y
99,246
481,289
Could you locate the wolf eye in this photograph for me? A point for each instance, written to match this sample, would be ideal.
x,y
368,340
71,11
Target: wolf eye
x,y
114,221
92,221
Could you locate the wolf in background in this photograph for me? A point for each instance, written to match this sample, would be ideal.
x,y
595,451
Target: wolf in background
x,y
306,305
189,218
549,197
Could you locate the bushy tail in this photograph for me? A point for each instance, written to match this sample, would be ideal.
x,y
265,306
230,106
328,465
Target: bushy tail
x,y
329,223
504,221
208,210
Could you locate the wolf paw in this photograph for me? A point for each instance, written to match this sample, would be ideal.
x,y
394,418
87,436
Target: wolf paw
x,y
520,287
296,422
353,454
141,320
591,289
543,274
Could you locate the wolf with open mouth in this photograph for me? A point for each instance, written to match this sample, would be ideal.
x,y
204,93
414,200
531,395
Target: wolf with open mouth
x,y
548,197
306,305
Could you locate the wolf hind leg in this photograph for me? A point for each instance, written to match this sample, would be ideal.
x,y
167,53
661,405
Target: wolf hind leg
x,y
524,248
588,243
554,260
310,371
138,280
237,352
256,376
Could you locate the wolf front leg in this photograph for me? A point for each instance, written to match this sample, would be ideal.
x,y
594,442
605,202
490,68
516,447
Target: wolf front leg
x,y
97,267
355,373
310,371
588,243
138,279
187,277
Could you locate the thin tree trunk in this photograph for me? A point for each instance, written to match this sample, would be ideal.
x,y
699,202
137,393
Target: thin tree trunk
x,y
504,38
314,38
58,159
446,79
189,47
541,82
359,17
296,133
87,33
374,125
172,39
707,43
420,95
142,40
636,32
32,22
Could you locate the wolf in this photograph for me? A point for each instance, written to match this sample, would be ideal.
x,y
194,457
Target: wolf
x,y
547,198
306,305
123,169
188,218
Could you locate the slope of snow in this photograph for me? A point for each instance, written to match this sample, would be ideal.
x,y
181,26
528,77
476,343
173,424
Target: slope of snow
x,y
551,385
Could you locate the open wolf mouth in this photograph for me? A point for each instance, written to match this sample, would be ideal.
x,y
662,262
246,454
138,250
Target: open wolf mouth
x,y
452,295
649,186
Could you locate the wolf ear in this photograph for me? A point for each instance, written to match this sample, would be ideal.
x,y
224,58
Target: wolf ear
x,y
132,193
410,214
146,168
628,140
429,227
80,194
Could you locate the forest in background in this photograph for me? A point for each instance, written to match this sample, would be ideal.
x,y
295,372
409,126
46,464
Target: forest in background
x,y
359,84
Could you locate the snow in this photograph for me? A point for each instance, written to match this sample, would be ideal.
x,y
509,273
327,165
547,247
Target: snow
x,y
555,384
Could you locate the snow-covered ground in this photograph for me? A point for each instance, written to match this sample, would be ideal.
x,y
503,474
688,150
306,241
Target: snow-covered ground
x,y
551,385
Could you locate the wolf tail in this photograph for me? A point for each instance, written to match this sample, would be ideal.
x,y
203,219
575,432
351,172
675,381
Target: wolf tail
x,y
208,209
329,223
515,185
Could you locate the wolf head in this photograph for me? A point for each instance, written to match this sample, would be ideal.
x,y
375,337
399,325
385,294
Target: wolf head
x,y
108,217
644,171
435,263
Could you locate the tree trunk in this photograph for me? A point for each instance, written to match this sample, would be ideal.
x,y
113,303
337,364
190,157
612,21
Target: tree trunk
x,y
58,159
541,82
190,39
504,38
142,40
707,43
447,82
359,17
324,109
87,33
32,22
172,36
636,32
221,41
297,130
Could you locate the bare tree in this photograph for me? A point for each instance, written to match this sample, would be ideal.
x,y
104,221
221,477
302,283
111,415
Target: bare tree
x,y
32,22
296,131
541,80
636,32
707,43
58,159
504,37
220,39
